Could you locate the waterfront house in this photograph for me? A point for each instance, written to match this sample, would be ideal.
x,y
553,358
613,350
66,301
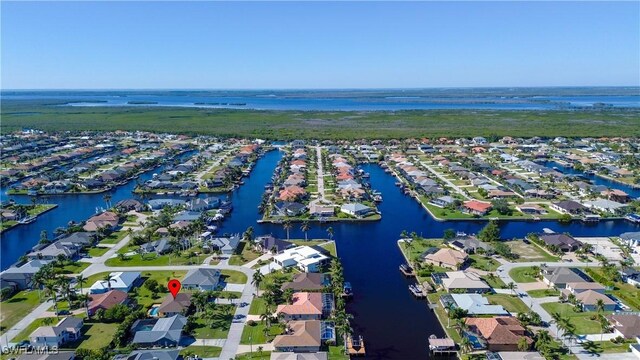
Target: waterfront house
x,y
319,210
476,207
442,201
269,243
306,306
561,276
356,209
469,244
292,193
161,332
78,239
178,305
501,333
307,282
287,208
157,204
106,220
564,242
473,304
616,195
202,278
449,258
605,205
304,336
625,325
568,207
199,205
66,330
531,209
123,281
129,205
630,276
226,245
106,300
305,258
460,281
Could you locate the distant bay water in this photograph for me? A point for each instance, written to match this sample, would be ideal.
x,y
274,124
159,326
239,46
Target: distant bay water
x,y
350,100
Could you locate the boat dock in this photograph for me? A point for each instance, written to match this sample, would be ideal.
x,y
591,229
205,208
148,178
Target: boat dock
x,y
444,346
355,347
406,270
418,291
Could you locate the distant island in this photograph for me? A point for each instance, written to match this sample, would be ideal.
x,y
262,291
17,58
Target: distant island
x,y
142,102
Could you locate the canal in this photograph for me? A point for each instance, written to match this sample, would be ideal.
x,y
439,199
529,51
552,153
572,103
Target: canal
x,y
393,324
597,180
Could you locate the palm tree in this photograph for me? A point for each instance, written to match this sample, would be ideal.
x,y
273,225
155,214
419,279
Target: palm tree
x,y
51,292
107,200
85,300
592,348
287,226
108,278
465,344
80,279
511,286
604,324
600,305
305,228
257,279
543,339
330,232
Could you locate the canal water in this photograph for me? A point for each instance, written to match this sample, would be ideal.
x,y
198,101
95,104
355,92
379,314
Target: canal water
x,y
393,323
597,180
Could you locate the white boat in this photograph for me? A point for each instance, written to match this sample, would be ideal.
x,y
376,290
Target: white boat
x,y
27,220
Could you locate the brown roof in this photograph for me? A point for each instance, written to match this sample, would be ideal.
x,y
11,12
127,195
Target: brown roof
x,y
107,300
302,333
305,281
501,330
591,297
448,257
170,305
628,325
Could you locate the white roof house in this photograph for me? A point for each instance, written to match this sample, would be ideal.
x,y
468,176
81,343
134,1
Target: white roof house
x,y
305,258
119,281
604,205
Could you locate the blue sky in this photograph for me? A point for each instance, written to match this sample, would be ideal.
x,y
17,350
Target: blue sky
x,y
218,45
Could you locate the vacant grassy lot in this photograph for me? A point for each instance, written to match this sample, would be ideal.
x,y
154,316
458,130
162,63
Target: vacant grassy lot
x,y
529,252
234,277
97,251
483,263
201,351
512,304
543,293
581,320
97,335
287,125
15,308
114,237
218,326
258,306
523,275
258,335
244,254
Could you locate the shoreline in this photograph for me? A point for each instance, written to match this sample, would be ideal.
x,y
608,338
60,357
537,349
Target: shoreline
x,y
52,206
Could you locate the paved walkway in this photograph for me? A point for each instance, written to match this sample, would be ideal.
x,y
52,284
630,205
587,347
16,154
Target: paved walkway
x,y
320,173
38,312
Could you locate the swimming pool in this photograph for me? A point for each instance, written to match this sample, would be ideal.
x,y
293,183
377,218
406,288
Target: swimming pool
x,y
476,342
154,311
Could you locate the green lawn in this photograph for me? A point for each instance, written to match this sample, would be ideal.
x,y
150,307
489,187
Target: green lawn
x,y
530,252
512,304
17,307
114,237
75,267
483,263
154,260
245,254
234,277
523,275
609,347
543,293
331,247
216,328
628,293
256,355
418,246
256,334
581,320
202,351
97,251
97,335
24,334
258,306
495,282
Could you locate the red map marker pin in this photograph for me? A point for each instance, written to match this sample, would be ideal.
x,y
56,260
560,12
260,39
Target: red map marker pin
x,y
174,287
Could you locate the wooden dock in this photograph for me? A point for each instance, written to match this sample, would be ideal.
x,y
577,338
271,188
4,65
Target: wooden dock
x,y
418,291
444,346
355,347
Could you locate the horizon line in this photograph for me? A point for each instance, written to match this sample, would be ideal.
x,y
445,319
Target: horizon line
x,y
324,89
